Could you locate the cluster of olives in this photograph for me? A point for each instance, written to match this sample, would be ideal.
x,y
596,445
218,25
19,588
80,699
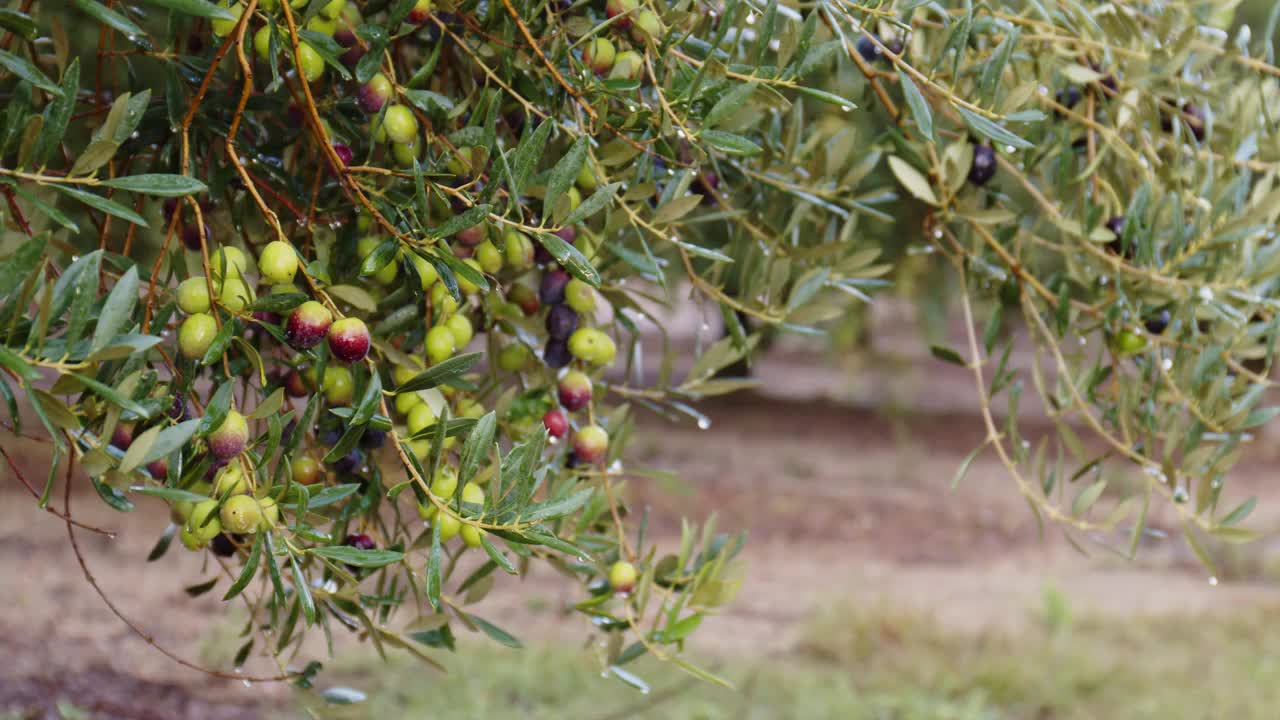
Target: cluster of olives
x,y
524,282
603,56
536,322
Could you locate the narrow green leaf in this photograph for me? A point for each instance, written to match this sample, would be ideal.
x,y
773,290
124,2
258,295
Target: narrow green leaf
x,y
21,264
57,115
26,70
594,204
303,590
138,448
1240,513
918,104
466,219
730,143
434,560
468,273
52,411
160,185
54,213
675,209
117,310
113,20
111,395
19,22
111,496
564,173
98,202
17,364
383,255
273,571
171,439
216,410
84,293
827,97
249,571
495,632
728,104
126,115
194,8
703,252
946,354
201,588
1087,497
230,331
358,557
432,103
163,543
327,48
989,129
560,507
171,494
333,494
498,557
440,373
476,449
629,678
993,69
526,156
571,258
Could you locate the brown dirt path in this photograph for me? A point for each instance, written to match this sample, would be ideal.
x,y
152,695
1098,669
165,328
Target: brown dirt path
x,y
841,503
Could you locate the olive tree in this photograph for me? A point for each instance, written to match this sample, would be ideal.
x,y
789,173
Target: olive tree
x,y
363,291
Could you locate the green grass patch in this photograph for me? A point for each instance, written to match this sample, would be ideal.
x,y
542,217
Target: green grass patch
x,y
866,663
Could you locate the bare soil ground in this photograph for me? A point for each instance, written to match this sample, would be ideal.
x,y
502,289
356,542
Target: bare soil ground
x,y
842,503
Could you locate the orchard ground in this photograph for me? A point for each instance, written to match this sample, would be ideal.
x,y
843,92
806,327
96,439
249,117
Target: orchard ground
x,y
872,589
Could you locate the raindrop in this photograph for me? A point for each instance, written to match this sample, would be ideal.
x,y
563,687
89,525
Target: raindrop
x,y
1206,294
1044,90
937,233
1010,148
845,108
247,683
704,423
1213,580
1167,364
1180,495
644,690
751,18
